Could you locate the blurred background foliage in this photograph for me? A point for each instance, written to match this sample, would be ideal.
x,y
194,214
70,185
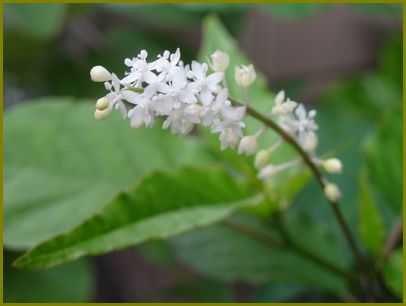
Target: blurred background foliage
x,y
48,52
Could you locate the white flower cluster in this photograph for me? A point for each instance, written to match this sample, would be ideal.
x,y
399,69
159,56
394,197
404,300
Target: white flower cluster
x,y
185,95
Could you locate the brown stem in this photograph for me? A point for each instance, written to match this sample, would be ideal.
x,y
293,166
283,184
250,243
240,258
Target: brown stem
x,y
393,238
316,172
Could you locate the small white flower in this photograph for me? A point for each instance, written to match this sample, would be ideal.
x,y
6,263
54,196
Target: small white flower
x,y
333,165
219,61
332,192
248,145
115,96
100,74
245,75
230,135
282,106
140,71
206,86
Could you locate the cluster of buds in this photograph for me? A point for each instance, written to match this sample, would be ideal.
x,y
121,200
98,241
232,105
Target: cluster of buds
x,y
300,125
186,95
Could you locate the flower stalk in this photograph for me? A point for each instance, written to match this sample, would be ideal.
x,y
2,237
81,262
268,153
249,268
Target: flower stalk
x,y
314,169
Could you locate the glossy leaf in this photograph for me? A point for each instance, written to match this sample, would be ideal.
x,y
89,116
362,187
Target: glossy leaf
x,y
162,205
228,255
62,166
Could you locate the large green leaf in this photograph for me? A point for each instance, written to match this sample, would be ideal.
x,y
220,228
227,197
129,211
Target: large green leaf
x,y
53,285
162,205
228,255
61,165
371,227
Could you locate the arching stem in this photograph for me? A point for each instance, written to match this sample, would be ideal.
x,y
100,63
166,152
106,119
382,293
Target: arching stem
x,y
316,173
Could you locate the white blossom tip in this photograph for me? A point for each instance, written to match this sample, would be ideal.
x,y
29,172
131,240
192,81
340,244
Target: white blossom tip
x,y
248,145
333,165
100,74
310,142
332,192
262,158
280,97
245,75
102,114
219,61
102,103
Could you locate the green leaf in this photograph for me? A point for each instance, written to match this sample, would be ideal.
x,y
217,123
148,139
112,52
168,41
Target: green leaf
x,y
385,160
53,285
38,20
62,166
228,255
393,273
371,226
162,205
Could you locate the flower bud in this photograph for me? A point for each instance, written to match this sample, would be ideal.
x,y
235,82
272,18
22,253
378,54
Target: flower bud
x,y
310,142
100,74
261,159
280,97
267,172
219,61
332,192
248,145
245,75
333,165
102,114
102,103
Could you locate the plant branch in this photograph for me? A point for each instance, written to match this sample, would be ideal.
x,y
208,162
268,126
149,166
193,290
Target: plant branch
x,y
393,238
315,171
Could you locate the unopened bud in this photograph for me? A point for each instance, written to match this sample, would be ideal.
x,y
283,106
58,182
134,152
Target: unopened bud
x,y
262,158
248,145
333,165
219,61
267,172
101,114
102,103
332,192
100,74
245,75
310,142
